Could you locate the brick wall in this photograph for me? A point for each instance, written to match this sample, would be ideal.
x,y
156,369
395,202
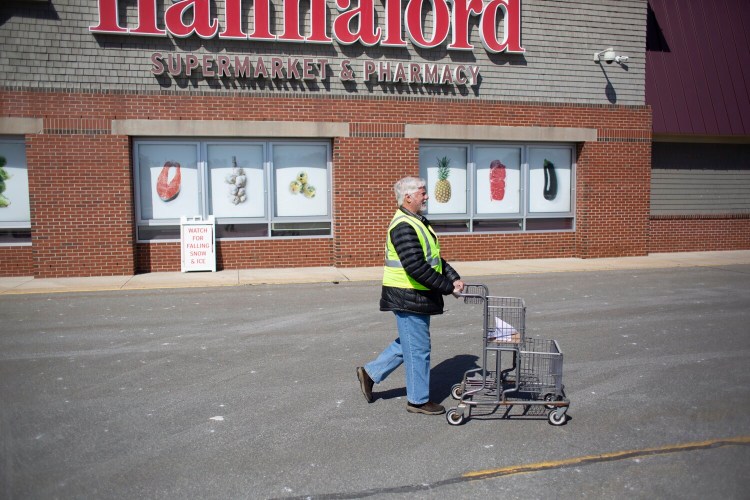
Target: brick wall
x,y
695,233
252,254
365,168
16,261
613,192
82,197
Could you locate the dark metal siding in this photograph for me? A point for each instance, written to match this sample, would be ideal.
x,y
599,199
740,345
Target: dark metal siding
x,y
689,179
698,67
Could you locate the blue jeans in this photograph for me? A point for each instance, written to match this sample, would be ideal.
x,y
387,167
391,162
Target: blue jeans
x,y
412,348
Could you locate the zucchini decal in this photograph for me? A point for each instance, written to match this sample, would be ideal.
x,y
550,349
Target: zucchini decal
x,y
550,181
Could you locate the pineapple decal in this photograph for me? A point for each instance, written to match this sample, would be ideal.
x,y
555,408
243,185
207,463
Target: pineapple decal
x,y
443,185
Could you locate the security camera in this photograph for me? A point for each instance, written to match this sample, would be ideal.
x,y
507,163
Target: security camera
x,y
621,59
608,56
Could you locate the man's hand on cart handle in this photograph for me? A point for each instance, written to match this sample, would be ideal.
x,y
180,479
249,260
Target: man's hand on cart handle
x,y
458,287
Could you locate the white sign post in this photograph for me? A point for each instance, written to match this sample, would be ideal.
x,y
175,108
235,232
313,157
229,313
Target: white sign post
x,y
198,243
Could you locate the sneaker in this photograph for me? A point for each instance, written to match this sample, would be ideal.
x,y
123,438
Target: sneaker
x,y
365,383
428,408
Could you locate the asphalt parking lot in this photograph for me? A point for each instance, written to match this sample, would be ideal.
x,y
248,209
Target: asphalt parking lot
x,y
250,392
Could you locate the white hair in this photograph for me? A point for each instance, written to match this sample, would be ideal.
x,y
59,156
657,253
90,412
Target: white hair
x,y
407,185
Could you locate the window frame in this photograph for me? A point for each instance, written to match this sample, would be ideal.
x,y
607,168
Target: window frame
x,y
274,225
14,227
525,213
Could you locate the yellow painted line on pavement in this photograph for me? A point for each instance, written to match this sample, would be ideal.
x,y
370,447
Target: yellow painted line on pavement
x,y
521,469
606,457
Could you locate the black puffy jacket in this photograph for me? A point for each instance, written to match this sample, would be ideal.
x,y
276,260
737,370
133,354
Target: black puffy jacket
x,y
411,254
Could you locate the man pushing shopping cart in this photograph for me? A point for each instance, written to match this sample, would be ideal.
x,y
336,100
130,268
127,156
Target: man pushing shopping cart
x,y
415,279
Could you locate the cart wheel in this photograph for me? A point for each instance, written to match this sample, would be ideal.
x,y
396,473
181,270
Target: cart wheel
x,y
551,397
456,392
454,417
556,419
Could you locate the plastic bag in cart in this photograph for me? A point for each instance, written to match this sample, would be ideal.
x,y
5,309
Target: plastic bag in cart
x,y
503,332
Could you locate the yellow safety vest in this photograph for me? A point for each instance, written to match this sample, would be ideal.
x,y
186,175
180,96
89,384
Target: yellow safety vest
x,y
394,274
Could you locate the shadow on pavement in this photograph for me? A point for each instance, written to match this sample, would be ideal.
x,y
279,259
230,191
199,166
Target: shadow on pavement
x,y
442,378
448,373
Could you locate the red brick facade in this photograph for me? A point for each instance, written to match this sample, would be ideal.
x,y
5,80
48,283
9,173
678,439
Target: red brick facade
x,y
697,233
81,182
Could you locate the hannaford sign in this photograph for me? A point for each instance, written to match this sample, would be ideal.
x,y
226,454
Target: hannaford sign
x,y
292,68
354,23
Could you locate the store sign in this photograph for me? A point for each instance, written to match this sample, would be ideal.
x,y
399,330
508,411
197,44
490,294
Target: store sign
x,y
309,69
354,23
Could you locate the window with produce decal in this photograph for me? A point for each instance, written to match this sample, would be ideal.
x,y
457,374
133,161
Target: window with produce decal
x,y
498,187
236,180
444,170
301,180
497,180
550,180
168,180
15,211
254,189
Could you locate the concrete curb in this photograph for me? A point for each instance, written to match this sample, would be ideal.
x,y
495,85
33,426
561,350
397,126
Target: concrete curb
x,y
28,285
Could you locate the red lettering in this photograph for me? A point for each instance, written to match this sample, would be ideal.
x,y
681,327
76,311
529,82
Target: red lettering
x,y
108,22
364,14
191,62
262,29
393,28
354,23
156,60
307,69
207,71
276,65
260,69
318,22
462,11
512,31
461,75
203,25
222,64
233,20
292,68
291,22
441,23
174,65
241,67
369,69
147,20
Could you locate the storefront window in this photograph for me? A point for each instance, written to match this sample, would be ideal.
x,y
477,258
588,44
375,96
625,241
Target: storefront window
x,y
168,178
15,211
301,180
549,180
445,170
237,183
254,189
497,183
498,187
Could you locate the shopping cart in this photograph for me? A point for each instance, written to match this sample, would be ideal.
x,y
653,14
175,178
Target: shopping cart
x,y
515,371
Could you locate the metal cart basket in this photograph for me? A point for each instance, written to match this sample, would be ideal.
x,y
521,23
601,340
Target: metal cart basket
x,y
515,370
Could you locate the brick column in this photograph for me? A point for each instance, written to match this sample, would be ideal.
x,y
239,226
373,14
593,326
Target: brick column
x,y
81,195
613,199
366,165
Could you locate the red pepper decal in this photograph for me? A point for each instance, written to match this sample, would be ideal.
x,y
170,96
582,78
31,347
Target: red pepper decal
x,y
497,180
168,191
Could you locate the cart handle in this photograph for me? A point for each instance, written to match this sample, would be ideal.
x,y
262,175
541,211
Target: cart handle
x,y
473,293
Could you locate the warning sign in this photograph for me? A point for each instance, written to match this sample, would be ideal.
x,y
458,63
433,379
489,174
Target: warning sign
x,y
198,242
